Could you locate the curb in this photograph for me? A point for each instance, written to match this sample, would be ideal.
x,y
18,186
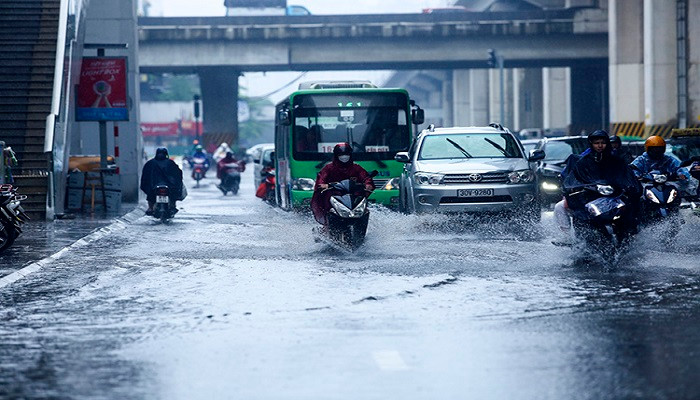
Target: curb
x,y
119,224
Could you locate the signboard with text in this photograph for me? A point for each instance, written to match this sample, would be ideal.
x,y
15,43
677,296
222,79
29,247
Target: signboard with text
x,y
102,93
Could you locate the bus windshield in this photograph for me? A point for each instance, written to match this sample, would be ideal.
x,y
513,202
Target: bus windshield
x,y
375,124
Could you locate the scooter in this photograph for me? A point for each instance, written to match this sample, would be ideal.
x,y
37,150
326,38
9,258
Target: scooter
x,y
12,215
199,169
164,209
348,216
266,190
661,197
600,218
231,178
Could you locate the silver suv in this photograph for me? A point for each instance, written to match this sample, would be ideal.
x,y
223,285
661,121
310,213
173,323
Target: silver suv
x,y
474,169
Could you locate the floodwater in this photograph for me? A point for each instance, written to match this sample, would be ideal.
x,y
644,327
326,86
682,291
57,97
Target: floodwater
x,y
234,299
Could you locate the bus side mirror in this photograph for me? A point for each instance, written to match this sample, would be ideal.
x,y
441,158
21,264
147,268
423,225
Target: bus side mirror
x,y
418,116
283,117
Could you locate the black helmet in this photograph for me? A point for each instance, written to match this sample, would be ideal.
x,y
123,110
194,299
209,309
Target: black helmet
x,y
615,139
161,153
599,134
229,154
342,148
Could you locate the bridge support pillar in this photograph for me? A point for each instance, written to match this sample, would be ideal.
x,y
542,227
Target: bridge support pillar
x,y
479,97
219,86
461,93
693,64
626,67
527,98
556,98
495,97
660,75
589,95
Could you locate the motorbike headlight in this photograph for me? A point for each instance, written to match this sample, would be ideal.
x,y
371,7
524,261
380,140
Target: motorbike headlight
x,y
672,196
427,178
660,178
593,209
651,196
605,190
360,209
522,176
392,184
550,187
303,184
340,208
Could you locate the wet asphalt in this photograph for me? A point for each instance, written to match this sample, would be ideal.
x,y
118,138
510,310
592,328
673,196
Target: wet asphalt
x,y
234,300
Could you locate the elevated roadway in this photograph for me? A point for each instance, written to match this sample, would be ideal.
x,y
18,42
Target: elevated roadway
x,y
396,41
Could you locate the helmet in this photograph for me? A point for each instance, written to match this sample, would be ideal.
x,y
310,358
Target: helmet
x,y
599,134
342,148
655,147
229,154
199,147
615,139
161,153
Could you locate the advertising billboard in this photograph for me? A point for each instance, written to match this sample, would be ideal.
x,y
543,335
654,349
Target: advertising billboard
x,y
102,90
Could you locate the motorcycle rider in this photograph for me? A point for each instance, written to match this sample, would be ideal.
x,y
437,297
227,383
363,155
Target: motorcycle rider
x,y
342,167
655,159
599,165
161,170
223,167
200,153
618,150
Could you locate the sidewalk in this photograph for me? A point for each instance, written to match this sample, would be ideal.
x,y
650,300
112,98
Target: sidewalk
x,y
43,238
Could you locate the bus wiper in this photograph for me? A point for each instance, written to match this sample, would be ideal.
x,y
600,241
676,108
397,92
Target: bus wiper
x,y
498,146
460,148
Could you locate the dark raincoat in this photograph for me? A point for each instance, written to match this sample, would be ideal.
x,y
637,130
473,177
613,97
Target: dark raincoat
x,y
161,171
336,171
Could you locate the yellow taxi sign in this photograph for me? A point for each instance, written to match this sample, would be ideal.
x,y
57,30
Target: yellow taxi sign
x,y
686,132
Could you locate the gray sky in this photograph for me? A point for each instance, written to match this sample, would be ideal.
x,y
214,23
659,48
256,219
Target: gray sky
x,y
262,83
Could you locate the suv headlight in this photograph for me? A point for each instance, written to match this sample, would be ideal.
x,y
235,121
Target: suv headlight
x,y
392,184
522,176
427,178
303,184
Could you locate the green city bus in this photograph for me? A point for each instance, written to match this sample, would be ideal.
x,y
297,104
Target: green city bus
x,y
312,120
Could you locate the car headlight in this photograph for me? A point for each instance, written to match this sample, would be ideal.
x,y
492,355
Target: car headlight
x,y
651,196
672,196
303,184
427,178
523,176
392,184
550,187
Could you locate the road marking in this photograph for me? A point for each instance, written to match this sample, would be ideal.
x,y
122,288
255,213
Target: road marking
x,y
389,360
117,225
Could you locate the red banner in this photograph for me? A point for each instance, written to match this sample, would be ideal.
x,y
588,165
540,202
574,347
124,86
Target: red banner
x,y
189,128
102,94
159,129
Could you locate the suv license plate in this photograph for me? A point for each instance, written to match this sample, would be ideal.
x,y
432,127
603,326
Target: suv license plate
x,y
162,199
475,192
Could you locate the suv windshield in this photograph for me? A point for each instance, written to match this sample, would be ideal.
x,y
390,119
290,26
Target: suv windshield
x,y
562,149
684,147
469,145
375,124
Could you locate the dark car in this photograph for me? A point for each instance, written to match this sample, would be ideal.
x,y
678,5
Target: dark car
x,y
548,171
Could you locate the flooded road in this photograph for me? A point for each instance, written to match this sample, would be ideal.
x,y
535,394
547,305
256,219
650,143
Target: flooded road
x,y
234,299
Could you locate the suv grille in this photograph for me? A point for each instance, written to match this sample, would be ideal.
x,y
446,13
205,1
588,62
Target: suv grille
x,y
488,177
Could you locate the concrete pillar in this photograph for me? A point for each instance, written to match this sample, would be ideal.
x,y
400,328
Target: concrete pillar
x,y
660,75
461,90
447,100
110,21
694,63
556,98
589,95
479,97
219,87
527,98
494,97
626,66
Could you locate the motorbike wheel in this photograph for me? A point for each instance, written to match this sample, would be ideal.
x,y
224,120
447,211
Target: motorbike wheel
x,y
8,234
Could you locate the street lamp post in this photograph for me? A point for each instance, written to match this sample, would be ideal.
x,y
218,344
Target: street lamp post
x,y
196,116
496,60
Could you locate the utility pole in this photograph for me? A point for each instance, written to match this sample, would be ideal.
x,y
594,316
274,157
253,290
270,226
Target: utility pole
x,y
496,60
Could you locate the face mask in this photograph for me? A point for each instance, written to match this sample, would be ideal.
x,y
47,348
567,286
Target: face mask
x,y
344,159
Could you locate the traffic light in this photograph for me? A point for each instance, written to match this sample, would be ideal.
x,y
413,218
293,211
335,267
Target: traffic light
x,y
196,106
493,59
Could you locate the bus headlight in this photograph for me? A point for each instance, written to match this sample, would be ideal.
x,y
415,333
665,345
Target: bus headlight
x,y
303,184
392,184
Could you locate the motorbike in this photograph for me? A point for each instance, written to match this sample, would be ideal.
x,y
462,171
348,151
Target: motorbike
x,y
12,215
266,190
349,215
231,178
601,218
164,208
661,197
199,169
